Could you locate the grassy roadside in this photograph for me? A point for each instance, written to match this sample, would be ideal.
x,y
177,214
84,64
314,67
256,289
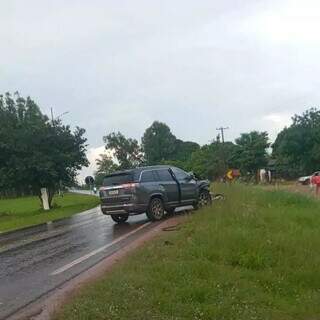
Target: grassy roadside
x,y
254,256
22,212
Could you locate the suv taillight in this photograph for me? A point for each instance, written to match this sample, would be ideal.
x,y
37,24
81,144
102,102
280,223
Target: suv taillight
x,y
129,186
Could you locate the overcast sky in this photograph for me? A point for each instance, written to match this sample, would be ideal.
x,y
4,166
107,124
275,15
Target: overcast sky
x,y
196,65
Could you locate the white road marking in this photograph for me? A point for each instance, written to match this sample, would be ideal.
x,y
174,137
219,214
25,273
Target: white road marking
x,y
94,252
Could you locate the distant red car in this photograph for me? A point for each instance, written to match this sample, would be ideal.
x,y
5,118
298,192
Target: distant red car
x,y
315,178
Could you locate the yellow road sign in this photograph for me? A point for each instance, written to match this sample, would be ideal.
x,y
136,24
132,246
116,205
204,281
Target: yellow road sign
x,y
230,175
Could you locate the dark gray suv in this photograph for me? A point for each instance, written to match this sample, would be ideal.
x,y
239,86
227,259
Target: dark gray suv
x,y
151,190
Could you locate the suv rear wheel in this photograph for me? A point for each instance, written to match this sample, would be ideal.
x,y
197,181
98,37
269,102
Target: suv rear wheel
x,y
119,218
155,211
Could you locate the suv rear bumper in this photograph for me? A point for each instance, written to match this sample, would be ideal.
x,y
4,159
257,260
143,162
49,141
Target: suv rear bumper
x,y
124,208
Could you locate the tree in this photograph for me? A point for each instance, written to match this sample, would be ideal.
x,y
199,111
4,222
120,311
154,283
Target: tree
x,y
251,153
105,166
297,148
212,160
158,143
184,149
58,155
35,152
182,154
126,150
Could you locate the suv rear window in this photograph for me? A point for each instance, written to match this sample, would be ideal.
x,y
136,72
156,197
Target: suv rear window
x,y
148,176
117,179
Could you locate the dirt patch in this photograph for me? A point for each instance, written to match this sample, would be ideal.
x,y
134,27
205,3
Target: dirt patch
x,y
45,308
294,187
297,188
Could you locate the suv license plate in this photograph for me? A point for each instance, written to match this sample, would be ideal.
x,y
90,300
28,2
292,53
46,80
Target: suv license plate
x,y
113,192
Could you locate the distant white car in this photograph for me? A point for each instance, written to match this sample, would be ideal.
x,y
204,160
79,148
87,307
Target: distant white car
x,y
307,179
304,180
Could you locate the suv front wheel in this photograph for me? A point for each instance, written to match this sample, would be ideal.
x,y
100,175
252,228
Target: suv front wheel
x,y
155,211
203,200
119,218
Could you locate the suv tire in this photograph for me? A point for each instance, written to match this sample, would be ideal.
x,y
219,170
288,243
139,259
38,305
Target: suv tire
x,y
119,218
204,199
155,211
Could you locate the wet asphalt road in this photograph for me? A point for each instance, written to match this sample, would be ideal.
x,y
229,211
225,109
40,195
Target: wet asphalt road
x,y
37,260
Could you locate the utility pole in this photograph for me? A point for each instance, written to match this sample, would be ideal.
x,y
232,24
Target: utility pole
x,y
221,129
51,115
58,117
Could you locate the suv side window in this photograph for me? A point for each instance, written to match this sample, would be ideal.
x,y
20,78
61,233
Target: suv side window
x,y
164,175
148,176
180,174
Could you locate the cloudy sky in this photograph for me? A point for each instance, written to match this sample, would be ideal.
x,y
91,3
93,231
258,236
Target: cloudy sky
x,y
196,65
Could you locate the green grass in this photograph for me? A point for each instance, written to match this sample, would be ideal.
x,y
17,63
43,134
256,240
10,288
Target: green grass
x,y
22,212
254,256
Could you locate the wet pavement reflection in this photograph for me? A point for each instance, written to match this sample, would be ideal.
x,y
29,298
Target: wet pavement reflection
x,y
28,257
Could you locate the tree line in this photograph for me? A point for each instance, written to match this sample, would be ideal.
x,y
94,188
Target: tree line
x,y
295,152
37,152
160,146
